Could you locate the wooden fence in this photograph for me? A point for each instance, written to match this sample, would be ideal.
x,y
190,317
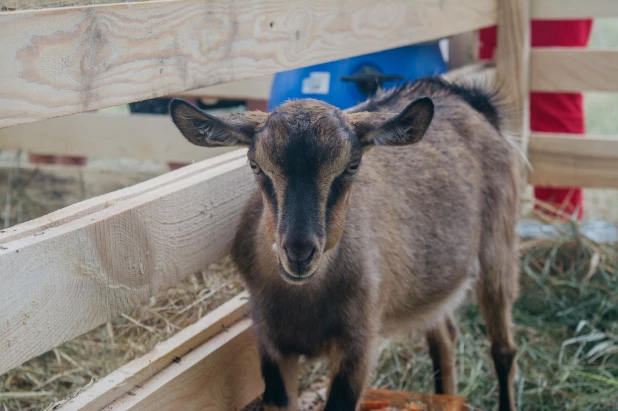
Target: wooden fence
x,y
74,269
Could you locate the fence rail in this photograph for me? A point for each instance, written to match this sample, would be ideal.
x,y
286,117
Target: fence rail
x,y
141,136
563,160
573,9
63,281
69,60
569,69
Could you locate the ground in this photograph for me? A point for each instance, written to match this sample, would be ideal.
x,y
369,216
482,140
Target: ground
x,y
566,319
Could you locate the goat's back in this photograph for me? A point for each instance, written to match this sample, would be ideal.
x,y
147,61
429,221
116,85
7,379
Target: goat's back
x,y
432,205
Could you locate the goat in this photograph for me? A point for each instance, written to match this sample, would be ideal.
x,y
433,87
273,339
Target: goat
x,y
343,241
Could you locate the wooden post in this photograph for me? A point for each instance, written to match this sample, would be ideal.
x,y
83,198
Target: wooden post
x,y
512,64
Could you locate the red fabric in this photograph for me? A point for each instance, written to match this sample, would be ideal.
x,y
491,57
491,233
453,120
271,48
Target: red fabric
x,y
552,112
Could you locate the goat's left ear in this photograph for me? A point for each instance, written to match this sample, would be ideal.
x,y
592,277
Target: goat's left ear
x,y
407,127
202,129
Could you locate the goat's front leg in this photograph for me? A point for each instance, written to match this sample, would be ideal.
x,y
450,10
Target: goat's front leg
x,y
280,383
351,367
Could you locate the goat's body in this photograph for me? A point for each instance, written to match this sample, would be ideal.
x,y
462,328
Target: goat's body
x,y
425,223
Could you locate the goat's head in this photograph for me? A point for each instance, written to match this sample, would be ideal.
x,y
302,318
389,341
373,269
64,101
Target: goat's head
x,y
304,156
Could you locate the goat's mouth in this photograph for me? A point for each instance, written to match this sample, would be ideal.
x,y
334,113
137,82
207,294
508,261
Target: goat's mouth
x,y
296,278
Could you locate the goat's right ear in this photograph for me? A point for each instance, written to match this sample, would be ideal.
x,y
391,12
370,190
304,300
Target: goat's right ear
x,y
202,129
382,129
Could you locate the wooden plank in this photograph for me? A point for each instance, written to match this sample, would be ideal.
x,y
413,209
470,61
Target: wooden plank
x,y
512,58
463,49
257,88
126,378
573,9
573,161
142,136
12,5
573,69
30,191
68,60
102,264
102,202
512,65
222,374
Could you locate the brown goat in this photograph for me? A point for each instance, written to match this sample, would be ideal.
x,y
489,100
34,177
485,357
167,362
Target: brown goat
x,y
342,242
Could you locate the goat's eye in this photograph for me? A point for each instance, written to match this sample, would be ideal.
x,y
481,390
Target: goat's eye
x,y
256,169
352,168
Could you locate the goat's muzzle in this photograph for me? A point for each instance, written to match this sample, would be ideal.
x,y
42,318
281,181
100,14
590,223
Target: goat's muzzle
x,y
299,258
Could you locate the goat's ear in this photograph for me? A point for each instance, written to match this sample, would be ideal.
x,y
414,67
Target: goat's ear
x,y
407,127
202,129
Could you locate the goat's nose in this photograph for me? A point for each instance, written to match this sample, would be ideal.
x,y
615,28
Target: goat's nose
x,y
300,253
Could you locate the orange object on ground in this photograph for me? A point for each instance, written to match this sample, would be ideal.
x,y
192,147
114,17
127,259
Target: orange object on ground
x,y
374,405
552,112
408,401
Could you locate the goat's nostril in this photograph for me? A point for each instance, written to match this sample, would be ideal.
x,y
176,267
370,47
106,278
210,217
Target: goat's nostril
x,y
300,253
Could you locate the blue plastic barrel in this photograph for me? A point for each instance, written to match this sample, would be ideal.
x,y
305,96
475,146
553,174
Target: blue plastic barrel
x,y
326,81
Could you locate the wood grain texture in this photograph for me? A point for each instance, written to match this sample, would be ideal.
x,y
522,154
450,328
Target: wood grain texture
x,y
573,9
62,282
573,161
257,88
96,204
70,60
512,67
126,378
573,69
47,4
141,136
32,191
221,375
463,49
